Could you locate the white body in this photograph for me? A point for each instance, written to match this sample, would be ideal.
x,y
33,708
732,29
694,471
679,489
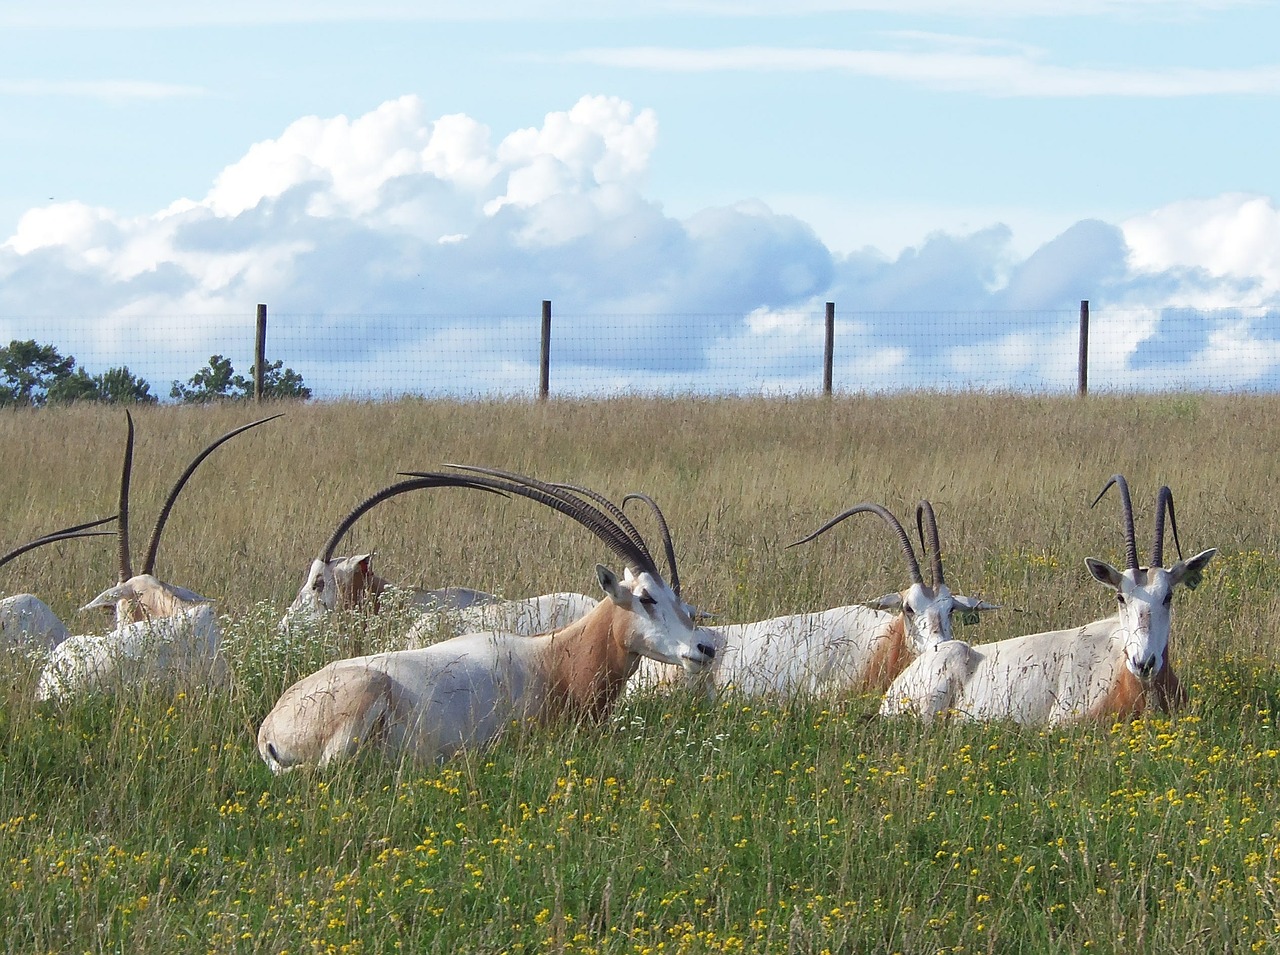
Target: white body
x,y
347,583
181,649
26,621
428,703
858,647
527,617
1110,668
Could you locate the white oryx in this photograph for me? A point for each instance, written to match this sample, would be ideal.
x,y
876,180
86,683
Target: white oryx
x,y
852,648
26,621
163,633
429,703
1109,669
143,596
349,583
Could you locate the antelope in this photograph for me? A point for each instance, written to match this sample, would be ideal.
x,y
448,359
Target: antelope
x,y
428,703
143,596
163,632
1108,669
348,583
857,647
25,619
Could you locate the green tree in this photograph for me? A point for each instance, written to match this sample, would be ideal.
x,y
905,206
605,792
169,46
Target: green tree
x,y
218,381
29,370
114,386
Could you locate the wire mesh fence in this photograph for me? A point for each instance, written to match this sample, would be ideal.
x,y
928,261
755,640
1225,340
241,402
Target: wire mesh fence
x,y
773,352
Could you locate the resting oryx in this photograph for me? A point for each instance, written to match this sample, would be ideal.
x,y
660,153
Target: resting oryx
x,y
143,596
347,583
1111,668
25,619
163,632
428,703
857,647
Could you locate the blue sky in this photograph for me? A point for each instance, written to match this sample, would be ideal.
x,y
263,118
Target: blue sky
x,y
728,157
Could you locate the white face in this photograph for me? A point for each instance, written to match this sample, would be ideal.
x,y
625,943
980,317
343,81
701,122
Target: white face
x,y
318,596
928,614
1145,606
664,630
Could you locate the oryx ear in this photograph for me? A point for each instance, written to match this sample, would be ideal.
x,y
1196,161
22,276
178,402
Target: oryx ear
x,y
1103,572
887,602
109,597
971,609
1191,572
612,586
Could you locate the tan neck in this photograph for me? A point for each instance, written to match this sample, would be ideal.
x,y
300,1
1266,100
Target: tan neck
x,y
890,657
587,663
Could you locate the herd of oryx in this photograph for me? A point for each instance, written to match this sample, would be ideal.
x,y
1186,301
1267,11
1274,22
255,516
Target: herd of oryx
x,y
570,655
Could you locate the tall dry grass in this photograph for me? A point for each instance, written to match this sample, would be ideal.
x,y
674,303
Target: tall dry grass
x,y
147,823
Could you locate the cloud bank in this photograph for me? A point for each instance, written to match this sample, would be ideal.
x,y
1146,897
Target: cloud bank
x,y
399,251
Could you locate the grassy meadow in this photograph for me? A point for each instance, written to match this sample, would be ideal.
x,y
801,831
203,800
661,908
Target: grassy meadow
x,y
146,823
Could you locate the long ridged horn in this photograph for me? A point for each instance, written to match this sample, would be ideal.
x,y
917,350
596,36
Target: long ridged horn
x,y
663,529
913,565
1164,502
570,503
67,533
925,519
616,512
1130,542
122,529
149,562
326,553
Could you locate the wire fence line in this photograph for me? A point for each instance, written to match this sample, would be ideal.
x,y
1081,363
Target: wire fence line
x,y
772,352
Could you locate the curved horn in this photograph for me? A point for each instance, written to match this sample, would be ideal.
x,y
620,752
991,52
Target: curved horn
x,y
1130,543
616,512
122,529
913,566
1164,502
567,502
67,533
149,562
326,553
925,518
663,529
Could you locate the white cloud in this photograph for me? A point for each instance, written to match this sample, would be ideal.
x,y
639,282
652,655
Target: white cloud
x,y
1014,74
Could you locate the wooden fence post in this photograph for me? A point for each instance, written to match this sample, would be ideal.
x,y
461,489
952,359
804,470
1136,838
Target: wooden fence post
x,y
544,359
829,348
1082,384
260,353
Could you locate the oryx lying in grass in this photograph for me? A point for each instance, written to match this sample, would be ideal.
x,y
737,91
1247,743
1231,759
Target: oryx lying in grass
x,y
1108,669
143,596
27,621
163,633
428,703
349,583
857,647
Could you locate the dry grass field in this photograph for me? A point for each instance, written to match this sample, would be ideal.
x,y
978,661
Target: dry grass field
x,y
148,825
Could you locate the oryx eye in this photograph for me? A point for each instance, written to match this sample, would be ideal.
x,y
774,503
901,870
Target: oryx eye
x,y
1120,599
647,600
1168,598
319,584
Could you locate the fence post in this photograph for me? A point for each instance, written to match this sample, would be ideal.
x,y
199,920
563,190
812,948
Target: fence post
x,y
1082,385
544,359
260,353
829,348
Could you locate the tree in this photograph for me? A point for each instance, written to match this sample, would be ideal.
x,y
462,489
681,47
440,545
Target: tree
x,y
114,386
28,370
218,381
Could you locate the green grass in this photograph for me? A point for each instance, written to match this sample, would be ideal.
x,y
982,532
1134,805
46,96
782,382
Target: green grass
x,y
147,823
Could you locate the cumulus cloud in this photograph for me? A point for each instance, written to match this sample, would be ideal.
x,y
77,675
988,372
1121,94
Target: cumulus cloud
x,y
398,251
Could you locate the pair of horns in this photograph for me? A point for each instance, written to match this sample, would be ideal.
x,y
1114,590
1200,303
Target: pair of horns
x,y
589,508
126,472
1164,505
926,521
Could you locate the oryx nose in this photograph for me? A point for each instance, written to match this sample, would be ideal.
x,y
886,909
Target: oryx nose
x,y
707,650
1144,668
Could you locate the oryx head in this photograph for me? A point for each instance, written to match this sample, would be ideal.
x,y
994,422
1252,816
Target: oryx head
x,y
927,609
659,623
1145,594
